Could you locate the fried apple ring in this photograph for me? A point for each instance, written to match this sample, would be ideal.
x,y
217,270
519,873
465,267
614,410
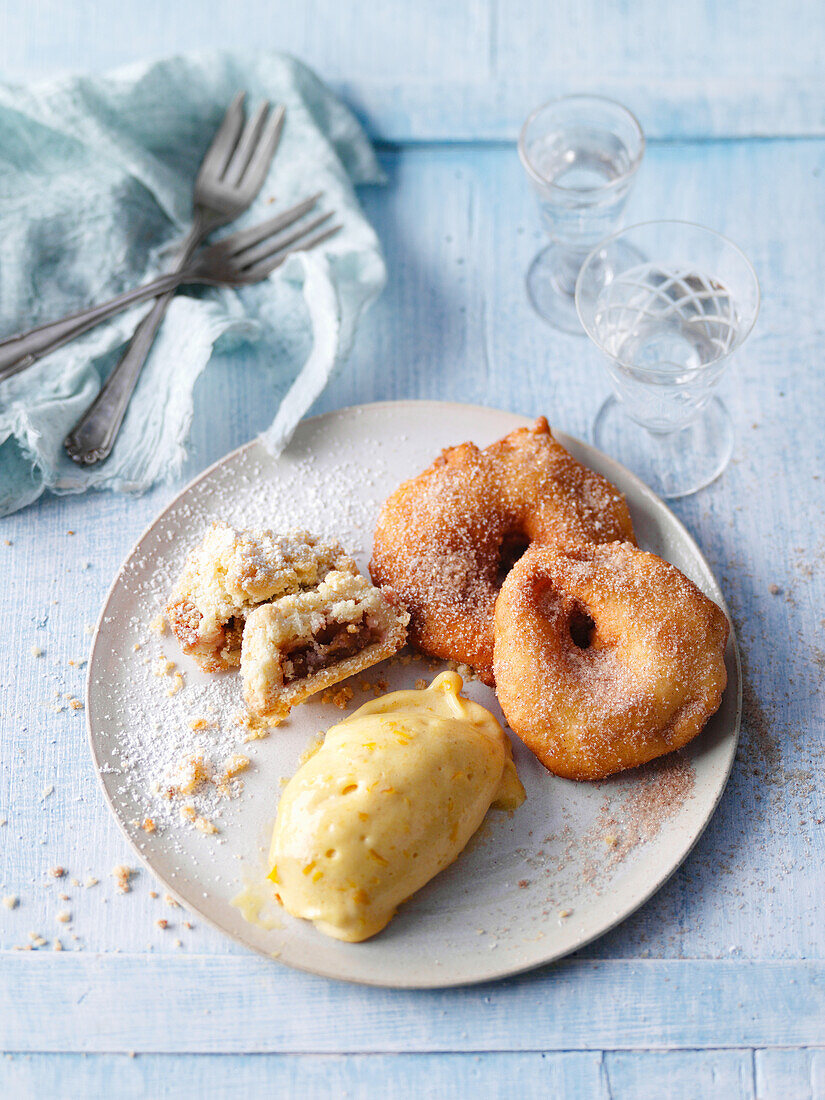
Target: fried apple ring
x,y
446,539
605,657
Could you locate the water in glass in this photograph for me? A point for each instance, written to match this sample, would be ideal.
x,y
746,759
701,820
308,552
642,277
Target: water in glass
x,y
581,162
661,325
669,318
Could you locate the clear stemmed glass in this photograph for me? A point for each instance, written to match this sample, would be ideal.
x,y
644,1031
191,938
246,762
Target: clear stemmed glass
x,y
581,154
668,303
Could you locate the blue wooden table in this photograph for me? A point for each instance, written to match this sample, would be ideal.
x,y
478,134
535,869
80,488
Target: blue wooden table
x,y
715,988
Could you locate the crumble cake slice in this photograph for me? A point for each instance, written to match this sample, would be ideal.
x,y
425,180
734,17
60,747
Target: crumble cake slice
x,y
302,643
233,571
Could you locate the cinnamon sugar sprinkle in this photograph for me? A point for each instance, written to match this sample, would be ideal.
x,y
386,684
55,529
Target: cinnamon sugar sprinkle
x,y
657,796
585,858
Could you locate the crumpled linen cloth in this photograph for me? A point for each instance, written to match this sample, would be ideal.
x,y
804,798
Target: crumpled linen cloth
x,y
96,178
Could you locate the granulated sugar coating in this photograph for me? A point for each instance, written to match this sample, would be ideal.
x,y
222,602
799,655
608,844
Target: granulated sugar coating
x,y
445,539
605,657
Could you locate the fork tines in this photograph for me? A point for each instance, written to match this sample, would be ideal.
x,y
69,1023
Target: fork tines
x,y
255,252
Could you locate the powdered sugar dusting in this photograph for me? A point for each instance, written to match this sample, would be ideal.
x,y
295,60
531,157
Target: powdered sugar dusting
x,y
157,730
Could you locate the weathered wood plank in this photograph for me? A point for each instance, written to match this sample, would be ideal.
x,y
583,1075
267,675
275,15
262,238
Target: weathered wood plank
x,y
377,38
472,69
459,230
640,1075
760,524
307,1077
789,1074
698,109
680,1075
226,1004
454,324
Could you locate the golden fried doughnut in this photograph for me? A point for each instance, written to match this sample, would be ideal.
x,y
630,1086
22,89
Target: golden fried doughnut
x,y
446,539
605,657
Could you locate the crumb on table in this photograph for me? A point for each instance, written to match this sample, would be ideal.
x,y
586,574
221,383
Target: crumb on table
x,y
122,875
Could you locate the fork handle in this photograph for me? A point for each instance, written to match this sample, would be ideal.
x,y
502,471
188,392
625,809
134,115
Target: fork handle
x,y
92,438
21,350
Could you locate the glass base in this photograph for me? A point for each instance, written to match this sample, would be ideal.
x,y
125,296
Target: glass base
x,y
673,464
549,290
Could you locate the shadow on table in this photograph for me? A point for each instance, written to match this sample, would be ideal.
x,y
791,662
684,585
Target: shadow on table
x,y
407,345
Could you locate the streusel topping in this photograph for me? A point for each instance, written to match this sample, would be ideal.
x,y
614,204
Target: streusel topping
x,y
231,572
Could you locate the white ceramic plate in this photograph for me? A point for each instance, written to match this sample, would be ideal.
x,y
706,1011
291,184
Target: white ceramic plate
x,y
533,886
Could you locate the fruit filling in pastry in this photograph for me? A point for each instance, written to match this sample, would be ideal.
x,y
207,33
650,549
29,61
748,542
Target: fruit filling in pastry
x,y
299,644
233,571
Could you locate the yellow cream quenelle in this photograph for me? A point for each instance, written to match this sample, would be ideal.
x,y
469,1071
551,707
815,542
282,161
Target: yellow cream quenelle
x,y
390,799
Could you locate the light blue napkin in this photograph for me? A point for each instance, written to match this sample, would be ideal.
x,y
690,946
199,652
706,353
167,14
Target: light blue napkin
x,y
96,178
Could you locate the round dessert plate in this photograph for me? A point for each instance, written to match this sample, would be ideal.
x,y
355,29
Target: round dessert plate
x,y
572,862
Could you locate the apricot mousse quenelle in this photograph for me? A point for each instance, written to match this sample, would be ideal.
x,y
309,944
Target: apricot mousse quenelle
x,y
390,798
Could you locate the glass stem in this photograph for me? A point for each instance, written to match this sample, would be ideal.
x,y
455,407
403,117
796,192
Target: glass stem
x,y
570,266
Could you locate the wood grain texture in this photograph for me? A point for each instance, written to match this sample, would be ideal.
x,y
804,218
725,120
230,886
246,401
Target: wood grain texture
x,y
673,1075
789,1074
310,1077
473,68
233,1004
682,1075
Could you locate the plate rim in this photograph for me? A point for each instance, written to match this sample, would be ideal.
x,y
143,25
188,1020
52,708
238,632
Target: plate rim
x,y
507,970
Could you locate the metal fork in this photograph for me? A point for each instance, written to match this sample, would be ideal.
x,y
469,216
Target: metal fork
x,y
231,175
237,260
